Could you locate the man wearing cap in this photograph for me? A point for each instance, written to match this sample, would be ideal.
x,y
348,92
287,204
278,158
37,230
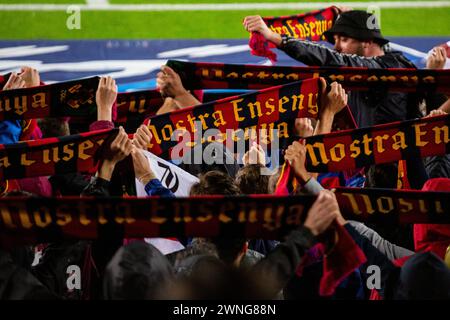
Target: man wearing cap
x,y
357,43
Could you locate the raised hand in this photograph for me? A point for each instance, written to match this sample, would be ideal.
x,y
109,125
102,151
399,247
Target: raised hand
x,y
14,82
105,97
30,76
322,213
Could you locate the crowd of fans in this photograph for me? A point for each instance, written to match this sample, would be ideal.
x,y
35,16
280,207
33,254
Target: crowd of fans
x,y
413,259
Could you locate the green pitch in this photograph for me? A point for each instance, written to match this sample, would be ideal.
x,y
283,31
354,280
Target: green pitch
x,y
188,25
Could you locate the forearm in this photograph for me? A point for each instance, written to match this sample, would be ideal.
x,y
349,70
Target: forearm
x,y
106,170
185,99
325,123
314,54
390,250
445,106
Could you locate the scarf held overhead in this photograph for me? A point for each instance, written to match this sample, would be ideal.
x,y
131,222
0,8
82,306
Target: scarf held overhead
x,y
202,75
254,216
381,205
235,119
391,142
75,153
76,99
62,99
305,26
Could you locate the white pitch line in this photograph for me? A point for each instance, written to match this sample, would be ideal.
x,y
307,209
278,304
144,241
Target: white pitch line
x,y
101,6
97,2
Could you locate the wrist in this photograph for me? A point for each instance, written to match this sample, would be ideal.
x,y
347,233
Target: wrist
x,y
146,177
104,113
277,39
327,114
106,169
303,177
182,94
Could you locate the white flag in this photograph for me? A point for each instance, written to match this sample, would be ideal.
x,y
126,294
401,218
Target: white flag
x,y
171,176
175,179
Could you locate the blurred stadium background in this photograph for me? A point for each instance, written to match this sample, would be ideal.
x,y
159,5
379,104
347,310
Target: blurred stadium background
x,y
130,40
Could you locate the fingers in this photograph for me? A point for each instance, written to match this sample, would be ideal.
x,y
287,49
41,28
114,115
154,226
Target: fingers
x,y
253,23
14,82
168,71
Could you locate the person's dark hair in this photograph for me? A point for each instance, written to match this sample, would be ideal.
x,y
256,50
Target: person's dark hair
x,y
215,182
229,248
198,247
53,127
424,276
250,180
382,176
138,271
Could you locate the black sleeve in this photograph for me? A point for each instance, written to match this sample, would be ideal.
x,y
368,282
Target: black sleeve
x,y
280,264
314,54
69,184
417,175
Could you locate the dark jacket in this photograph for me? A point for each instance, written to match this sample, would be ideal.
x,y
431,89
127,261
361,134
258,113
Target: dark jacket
x,y
18,283
370,107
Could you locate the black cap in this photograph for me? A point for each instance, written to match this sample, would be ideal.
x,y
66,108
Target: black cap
x,y
356,24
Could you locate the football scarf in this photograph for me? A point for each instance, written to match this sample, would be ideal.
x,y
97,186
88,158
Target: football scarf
x,y
40,220
62,99
305,26
235,119
390,142
75,153
202,75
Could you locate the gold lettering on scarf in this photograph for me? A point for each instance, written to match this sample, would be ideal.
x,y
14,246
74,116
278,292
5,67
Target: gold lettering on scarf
x,y
42,223
399,141
4,162
20,107
84,146
339,147
6,217
63,216
236,109
390,204
353,202
355,150
379,142
441,135
39,100
312,155
419,133
24,161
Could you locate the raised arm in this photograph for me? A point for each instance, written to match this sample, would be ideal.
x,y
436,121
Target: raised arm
x,y
310,53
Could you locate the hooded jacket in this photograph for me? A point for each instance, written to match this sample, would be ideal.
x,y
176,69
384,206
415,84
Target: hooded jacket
x,y
433,237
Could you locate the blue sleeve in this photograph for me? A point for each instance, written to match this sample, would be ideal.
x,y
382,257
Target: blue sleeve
x,y
10,131
155,188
